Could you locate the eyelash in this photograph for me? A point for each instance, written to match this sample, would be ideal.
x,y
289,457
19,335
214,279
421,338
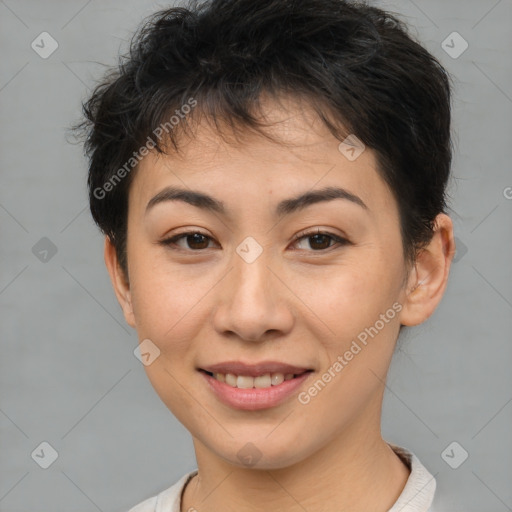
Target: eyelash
x,y
169,242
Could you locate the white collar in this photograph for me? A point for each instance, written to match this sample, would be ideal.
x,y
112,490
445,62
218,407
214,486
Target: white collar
x,y
419,490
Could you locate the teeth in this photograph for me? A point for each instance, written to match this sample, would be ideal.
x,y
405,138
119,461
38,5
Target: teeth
x,y
231,380
247,382
263,381
277,378
244,382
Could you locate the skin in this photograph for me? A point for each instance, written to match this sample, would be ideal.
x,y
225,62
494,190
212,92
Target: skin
x,y
301,302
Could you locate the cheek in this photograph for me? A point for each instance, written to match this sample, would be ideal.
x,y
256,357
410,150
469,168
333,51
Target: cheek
x,y
159,294
166,311
359,305
169,304
352,297
363,326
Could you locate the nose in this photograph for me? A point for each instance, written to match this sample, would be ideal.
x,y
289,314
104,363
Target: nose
x,y
252,302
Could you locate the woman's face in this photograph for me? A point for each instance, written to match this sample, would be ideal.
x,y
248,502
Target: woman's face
x,y
258,284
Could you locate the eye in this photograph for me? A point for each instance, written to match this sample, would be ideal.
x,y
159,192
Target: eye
x,y
195,240
320,240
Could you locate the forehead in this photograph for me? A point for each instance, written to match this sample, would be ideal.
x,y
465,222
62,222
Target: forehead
x,y
242,163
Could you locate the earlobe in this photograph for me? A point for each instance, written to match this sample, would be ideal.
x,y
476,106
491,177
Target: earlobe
x,y
428,280
119,282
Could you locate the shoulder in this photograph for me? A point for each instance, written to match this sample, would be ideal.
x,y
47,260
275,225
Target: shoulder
x,y
169,500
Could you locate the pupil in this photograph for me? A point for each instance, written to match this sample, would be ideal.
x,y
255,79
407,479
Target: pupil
x,y
324,237
196,238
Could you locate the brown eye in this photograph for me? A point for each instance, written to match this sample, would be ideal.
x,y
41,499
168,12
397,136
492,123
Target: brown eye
x,y
194,241
197,241
319,241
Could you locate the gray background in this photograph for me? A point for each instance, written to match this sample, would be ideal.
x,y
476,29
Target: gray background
x,y
68,374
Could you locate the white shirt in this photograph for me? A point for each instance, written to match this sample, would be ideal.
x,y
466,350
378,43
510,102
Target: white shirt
x,y
416,496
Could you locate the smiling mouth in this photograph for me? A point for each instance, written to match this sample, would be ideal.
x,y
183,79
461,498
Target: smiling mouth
x,y
266,380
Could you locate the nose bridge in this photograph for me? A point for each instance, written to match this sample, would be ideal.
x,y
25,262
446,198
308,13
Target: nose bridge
x,y
250,303
251,294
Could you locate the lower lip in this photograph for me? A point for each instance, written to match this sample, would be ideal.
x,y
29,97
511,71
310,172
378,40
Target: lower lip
x,y
253,399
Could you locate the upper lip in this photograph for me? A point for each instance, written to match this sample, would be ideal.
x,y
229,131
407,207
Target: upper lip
x,y
254,370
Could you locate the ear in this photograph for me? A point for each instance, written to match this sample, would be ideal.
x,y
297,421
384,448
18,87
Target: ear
x,y
428,279
119,282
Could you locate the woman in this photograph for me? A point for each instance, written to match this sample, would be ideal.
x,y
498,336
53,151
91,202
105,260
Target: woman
x,y
270,178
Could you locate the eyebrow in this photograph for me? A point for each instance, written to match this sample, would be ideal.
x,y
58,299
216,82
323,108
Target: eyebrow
x,y
285,207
